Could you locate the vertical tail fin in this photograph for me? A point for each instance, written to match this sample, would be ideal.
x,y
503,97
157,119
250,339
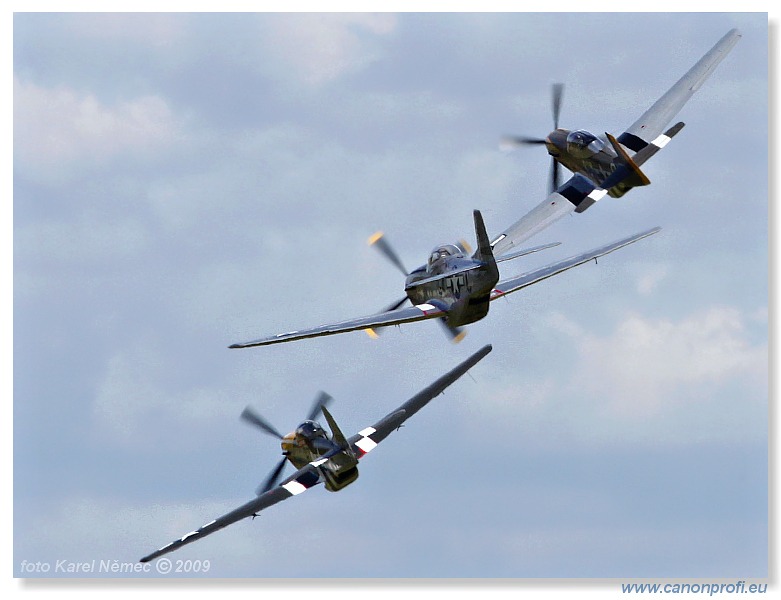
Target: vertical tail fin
x,y
336,433
484,252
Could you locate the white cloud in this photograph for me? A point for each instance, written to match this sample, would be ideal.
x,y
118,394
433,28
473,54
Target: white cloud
x,y
651,279
647,365
704,376
57,130
317,48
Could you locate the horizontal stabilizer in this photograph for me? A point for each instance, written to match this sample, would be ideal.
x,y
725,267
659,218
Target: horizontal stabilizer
x,y
527,251
657,144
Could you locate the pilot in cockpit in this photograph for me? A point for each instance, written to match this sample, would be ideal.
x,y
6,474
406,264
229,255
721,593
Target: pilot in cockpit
x,y
439,254
582,144
310,430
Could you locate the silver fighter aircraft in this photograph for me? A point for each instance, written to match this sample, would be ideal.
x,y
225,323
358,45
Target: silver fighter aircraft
x,y
451,286
604,166
319,457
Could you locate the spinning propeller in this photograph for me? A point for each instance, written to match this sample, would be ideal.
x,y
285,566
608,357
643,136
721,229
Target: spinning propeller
x,y
511,142
253,418
378,241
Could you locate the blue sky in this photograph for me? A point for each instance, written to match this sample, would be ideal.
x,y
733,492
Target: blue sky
x,y
183,182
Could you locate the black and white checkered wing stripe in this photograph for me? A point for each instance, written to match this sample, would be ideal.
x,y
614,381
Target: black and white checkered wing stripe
x,y
365,444
302,480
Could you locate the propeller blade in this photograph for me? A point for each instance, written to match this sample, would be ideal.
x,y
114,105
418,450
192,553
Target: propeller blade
x,y
464,246
512,142
250,416
558,92
555,177
456,334
374,332
317,406
378,240
272,478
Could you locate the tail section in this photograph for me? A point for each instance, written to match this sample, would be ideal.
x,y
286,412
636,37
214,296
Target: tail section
x,y
484,253
340,466
336,433
627,173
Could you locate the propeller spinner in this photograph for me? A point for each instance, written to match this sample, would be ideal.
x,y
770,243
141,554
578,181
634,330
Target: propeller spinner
x,y
253,418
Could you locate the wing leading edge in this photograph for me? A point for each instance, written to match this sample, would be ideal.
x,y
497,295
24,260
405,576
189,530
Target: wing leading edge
x,y
653,121
367,439
418,312
282,492
309,476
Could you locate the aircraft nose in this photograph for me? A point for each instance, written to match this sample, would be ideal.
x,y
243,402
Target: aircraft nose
x,y
556,141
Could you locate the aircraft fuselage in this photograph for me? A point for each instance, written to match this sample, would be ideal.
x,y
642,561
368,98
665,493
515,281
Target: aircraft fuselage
x,y
308,443
457,283
584,153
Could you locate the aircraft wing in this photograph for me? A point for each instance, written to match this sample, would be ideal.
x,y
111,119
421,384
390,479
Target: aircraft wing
x,y
309,476
577,194
367,439
654,121
516,283
418,312
300,481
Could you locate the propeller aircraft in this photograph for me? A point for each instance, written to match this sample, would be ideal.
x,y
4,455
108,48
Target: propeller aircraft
x,y
604,166
320,457
451,286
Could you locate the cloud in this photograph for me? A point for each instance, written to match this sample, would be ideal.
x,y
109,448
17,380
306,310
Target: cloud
x,y
139,389
651,279
59,130
638,368
155,29
315,49
701,377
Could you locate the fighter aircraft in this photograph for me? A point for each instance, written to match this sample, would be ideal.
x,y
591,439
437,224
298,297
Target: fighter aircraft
x,y
604,166
453,287
318,457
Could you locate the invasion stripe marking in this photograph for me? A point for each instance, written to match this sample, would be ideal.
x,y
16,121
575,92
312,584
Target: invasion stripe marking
x,y
294,487
425,307
367,432
366,444
597,194
661,141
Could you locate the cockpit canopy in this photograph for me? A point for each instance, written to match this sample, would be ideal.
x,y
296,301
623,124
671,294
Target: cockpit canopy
x,y
310,430
439,254
582,144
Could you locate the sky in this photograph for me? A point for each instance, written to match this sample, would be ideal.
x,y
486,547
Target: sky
x,y
186,181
